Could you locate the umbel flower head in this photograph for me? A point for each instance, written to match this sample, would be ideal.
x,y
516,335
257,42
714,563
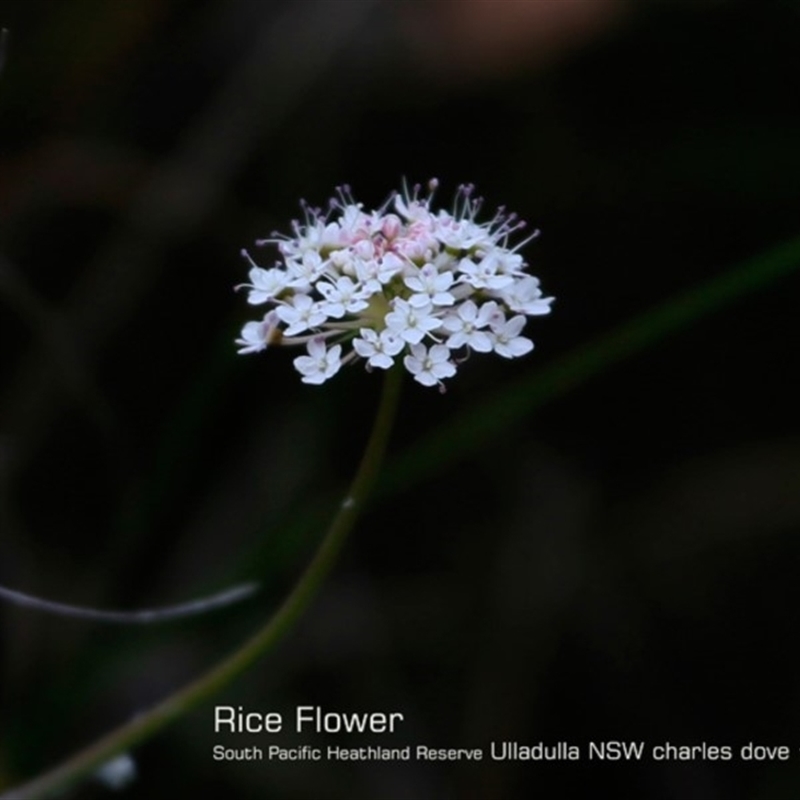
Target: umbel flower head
x,y
404,283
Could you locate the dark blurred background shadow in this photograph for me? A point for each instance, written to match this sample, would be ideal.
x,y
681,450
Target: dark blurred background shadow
x,y
622,565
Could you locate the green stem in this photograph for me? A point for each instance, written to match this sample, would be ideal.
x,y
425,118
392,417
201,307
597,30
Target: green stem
x,y
146,725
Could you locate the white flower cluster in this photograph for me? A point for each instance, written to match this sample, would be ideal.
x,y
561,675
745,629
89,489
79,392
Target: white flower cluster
x,y
403,282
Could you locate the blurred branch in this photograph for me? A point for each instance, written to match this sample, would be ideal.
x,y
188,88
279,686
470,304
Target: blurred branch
x,y
166,614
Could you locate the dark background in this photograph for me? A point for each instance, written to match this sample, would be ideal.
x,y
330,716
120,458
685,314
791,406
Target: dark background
x,y
620,564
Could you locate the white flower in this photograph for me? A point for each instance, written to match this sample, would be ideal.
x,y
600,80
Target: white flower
x,y
310,238
306,270
464,326
429,367
410,323
342,297
257,335
378,349
507,341
320,363
525,296
430,286
460,234
400,285
301,314
264,283
353,220
375,273
412,209
485,274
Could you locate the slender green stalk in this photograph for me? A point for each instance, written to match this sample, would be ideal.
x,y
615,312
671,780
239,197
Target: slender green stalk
x,y
149,723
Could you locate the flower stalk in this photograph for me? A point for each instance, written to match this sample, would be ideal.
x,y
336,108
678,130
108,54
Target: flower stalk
x,y
146,725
